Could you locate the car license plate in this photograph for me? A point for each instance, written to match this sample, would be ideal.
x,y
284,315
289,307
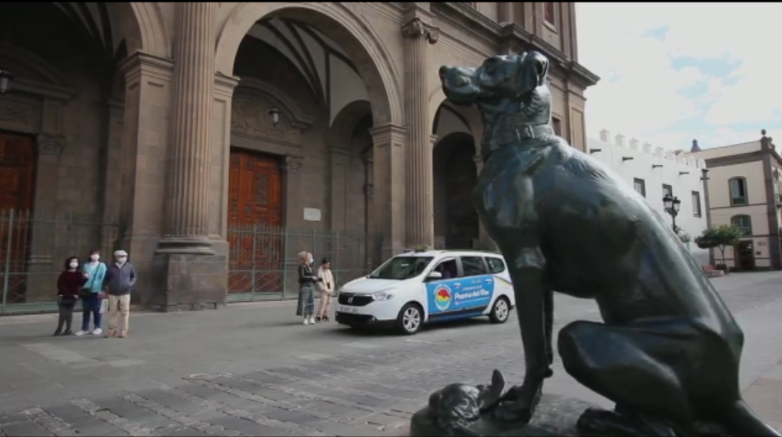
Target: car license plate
x,y
347,309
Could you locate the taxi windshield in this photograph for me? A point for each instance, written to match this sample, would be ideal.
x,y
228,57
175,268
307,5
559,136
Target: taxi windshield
x,y
402,267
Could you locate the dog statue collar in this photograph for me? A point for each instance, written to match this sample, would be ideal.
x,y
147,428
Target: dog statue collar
x,y
518,133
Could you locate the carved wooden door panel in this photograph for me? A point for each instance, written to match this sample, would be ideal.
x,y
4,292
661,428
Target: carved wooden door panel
x,y
254,216
17,179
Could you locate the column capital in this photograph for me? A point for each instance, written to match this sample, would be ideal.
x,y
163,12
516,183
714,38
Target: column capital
x,y
225,85
52,145
337,150
388,134
417,28
292,164
143,63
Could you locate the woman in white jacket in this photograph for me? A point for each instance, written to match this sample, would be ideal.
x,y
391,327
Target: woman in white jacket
x,y
326,288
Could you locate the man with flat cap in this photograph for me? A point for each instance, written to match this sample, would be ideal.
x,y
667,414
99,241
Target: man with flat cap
x,y
119,281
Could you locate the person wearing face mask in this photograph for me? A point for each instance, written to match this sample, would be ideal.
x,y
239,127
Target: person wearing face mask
x,y
68,285
119,281
307,278
92,294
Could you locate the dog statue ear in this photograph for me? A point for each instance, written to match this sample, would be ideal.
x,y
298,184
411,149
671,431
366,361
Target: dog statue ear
x,y
533,71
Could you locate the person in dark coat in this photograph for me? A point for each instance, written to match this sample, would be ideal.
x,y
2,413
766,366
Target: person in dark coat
x,y
68,285
307,278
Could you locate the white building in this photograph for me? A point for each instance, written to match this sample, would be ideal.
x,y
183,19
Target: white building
x,y
653,172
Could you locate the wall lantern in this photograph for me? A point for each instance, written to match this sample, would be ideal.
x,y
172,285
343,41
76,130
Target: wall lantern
x,y
5,80
274,114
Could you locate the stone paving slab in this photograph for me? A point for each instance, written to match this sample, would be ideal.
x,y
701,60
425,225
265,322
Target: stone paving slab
x,y
254,370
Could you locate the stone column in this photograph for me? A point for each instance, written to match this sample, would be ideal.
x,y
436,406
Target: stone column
x,y
419,179
505,12
388,191
291,171
187,188
339,173
369,216
193,277
43,253
220,162
483,236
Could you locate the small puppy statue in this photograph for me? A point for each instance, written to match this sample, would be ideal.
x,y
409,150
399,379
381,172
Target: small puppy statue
x,y
454,408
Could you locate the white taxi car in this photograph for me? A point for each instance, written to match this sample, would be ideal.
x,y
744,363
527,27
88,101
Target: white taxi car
x,y
414,288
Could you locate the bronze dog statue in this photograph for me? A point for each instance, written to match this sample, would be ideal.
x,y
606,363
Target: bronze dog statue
x,y
456,406
668,350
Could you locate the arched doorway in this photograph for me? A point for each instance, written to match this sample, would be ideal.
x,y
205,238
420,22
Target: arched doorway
x,y
56,132
307,189
455,175
456,222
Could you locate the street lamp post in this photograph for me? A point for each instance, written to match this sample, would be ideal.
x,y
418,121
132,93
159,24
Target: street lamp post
x,y
672,205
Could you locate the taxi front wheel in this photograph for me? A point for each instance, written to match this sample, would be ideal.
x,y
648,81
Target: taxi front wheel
x,y
501,310
410,319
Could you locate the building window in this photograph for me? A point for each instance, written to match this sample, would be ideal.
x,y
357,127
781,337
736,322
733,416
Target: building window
x,y
738,191
667,190
696,204
550,14
640,186
556,124
743,222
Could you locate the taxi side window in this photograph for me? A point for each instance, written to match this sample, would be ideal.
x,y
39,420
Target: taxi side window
x,y
447,268
473,266
495,265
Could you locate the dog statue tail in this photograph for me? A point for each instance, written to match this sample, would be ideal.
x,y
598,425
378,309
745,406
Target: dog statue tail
x,y
741,420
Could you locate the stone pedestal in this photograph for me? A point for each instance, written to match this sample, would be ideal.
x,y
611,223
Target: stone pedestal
x,y
190,282
555,416
190,275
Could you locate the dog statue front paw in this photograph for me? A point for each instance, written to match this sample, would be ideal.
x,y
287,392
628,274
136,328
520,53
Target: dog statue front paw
x,y
518,405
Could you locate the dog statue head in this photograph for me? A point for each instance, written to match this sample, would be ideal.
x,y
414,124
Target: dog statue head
x,y
456,405
508,90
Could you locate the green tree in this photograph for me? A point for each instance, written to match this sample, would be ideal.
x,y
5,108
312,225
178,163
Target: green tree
x,y
720,237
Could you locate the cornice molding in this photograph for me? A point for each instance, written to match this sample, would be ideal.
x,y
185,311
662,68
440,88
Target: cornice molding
x,y
510,38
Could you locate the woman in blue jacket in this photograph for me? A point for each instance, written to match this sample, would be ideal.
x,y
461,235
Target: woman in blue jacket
x,y
92,294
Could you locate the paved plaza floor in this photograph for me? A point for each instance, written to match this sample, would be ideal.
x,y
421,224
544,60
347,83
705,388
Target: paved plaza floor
x,y
253,369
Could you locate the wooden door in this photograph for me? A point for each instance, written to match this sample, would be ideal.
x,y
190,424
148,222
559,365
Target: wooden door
x,y
17,179
255,217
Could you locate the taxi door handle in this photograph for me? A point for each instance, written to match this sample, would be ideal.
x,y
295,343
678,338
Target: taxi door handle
x,y
457,285
487,280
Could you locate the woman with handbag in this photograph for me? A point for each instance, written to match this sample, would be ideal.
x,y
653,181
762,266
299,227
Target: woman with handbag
x,y
92,294
306,305
68,286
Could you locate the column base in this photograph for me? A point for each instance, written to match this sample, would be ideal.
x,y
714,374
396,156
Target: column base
x,y
185,246
189,282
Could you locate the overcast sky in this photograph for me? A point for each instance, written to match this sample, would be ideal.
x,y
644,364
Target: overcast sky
x,y
671,72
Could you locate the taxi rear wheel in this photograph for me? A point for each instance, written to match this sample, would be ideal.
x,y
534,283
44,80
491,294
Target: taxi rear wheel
x,y
410,319
501,310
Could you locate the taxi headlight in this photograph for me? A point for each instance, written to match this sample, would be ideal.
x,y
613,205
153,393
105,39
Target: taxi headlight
x,y
382,295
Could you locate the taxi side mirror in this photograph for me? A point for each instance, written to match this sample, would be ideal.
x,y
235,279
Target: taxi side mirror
x,y
434,276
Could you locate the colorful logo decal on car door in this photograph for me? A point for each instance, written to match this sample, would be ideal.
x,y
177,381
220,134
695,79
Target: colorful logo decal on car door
x,y
460,296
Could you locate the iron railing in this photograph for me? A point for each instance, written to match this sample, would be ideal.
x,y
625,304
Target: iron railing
x,y
263,260
33,248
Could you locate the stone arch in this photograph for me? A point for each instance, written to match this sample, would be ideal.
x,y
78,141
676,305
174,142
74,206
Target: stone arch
x,y
37,68
338,22
146,33
346,121
469,114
